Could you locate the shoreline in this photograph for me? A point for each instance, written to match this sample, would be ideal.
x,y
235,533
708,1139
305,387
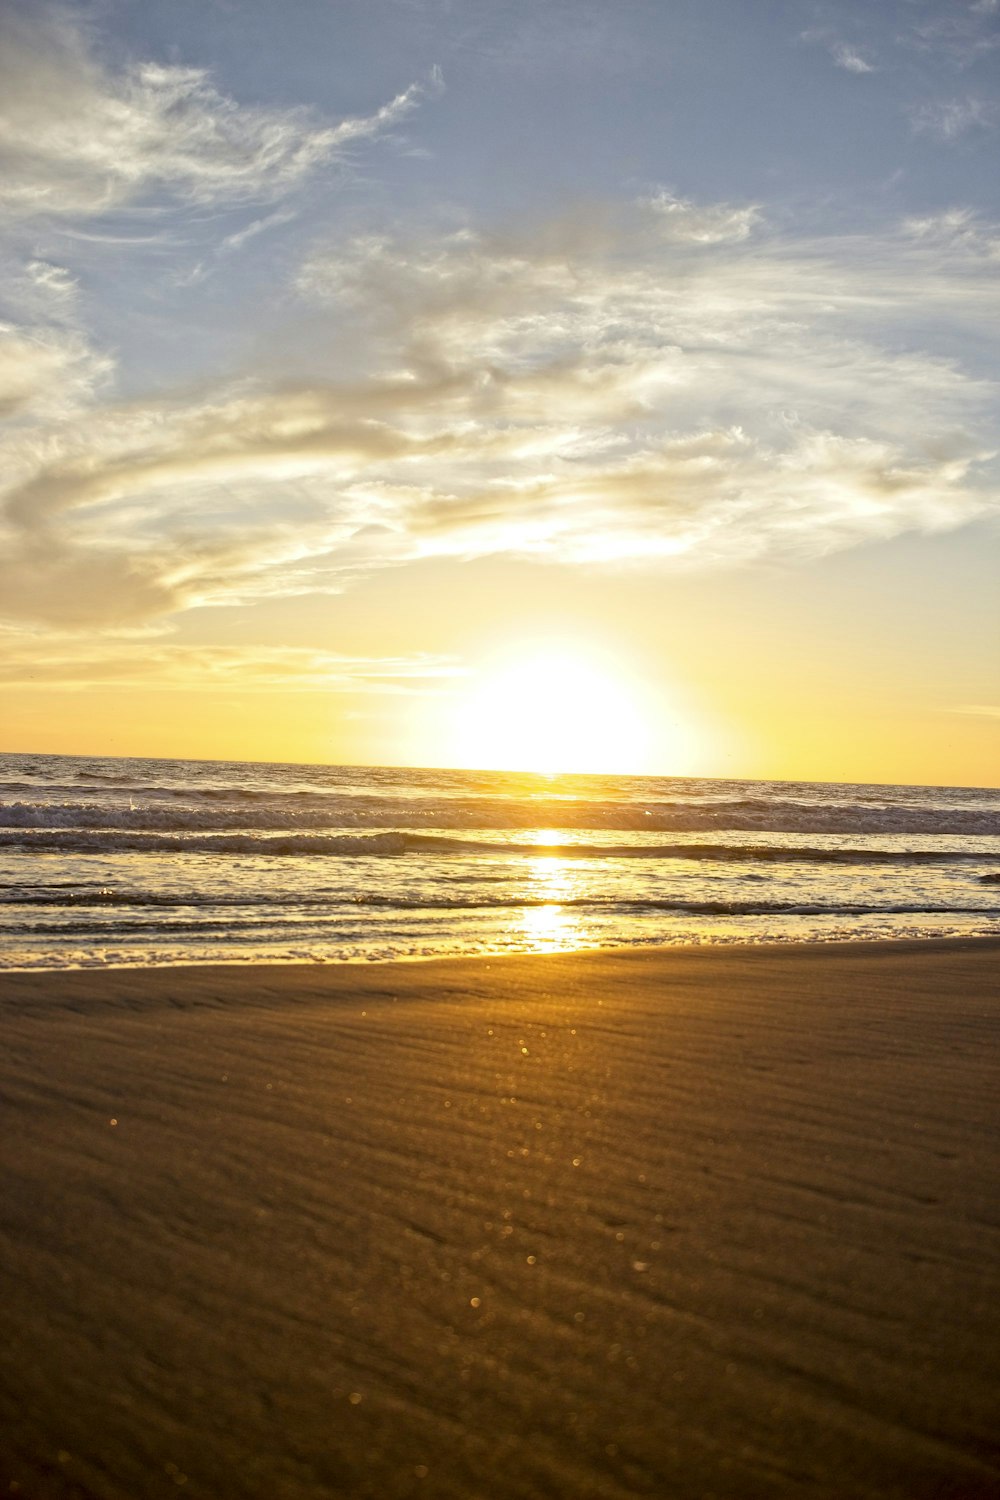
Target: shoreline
x,y
658,1221
647,951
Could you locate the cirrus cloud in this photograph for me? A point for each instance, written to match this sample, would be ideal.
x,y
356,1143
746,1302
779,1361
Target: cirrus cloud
x,y
67,662
80,138
947,119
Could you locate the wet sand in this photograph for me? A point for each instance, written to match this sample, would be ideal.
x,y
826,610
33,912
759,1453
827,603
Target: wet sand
x,y
679,1224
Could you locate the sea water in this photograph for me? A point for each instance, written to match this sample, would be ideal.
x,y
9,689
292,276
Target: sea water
x,y
107,862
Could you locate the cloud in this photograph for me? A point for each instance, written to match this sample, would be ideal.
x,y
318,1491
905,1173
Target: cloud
x,y
45,372
701,224
959,34
958,231
209,501
155,664
78,138
714,496
48,366
843,54
942,37
658,384
850,59
948,119
240,237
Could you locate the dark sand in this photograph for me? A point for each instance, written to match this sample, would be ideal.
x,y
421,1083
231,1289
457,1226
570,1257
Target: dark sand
x,y
680,1224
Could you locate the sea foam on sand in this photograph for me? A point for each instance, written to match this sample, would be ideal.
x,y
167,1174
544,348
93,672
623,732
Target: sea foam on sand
x,y
678,1224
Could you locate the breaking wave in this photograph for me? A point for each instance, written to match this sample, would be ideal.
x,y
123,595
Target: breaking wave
x,y
294,811
49,840
337,907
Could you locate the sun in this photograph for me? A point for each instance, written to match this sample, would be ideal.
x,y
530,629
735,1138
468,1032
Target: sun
x,y
552,710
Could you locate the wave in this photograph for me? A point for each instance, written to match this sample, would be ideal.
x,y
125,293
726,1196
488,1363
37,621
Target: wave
x,y
398,844
339,913
108,778
249,810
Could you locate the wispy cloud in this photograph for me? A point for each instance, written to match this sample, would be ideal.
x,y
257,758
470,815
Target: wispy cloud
x,y
48,366
955,32
959,232
241,237
46,372
843,54
679,220
850,59
151,665
948,119
230,244
79,138
662,383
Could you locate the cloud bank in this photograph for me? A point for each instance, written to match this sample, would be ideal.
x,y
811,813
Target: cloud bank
x,y
656,383
661,382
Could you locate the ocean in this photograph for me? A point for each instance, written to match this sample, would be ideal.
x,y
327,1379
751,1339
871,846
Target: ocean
x,y
150,862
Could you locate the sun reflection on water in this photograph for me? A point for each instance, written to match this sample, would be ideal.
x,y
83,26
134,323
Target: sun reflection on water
x,y
550,925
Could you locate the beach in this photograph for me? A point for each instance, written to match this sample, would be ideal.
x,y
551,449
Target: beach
x,y
687,1223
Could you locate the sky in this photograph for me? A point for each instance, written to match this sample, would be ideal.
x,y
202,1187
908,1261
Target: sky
x,y
580,384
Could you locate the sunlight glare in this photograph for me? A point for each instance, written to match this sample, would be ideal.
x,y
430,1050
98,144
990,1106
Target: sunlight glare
x,y
551,926
552,712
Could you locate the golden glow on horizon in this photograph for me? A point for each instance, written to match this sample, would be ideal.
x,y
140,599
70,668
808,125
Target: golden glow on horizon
x,y
552,711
